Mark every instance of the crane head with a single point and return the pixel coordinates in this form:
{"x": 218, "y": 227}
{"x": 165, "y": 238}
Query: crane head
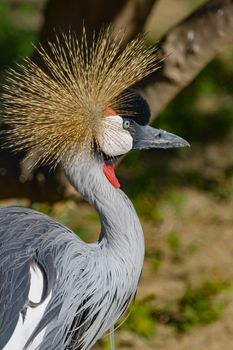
{"x": 132, "y": 132}
{"x": 82, "y": 104}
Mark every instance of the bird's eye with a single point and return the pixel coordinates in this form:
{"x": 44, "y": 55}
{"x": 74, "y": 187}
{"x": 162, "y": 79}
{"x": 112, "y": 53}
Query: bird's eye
{"x": 126, "y": 124}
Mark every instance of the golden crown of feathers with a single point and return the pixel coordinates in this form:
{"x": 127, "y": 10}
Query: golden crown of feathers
{"x": 62, "y": 109}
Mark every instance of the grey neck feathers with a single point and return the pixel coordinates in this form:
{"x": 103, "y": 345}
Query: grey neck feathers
{"x": 120, "y": 227}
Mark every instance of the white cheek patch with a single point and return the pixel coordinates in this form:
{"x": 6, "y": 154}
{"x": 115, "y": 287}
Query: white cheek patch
{"x": 115, "y": 140}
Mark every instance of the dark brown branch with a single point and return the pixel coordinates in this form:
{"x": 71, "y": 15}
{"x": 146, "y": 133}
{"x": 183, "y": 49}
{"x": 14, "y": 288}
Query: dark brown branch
{"x": 42, "y": 185}
{"x": 133, "y": 17}
{"x": 189, "y": 47}
{"x": 60, "y": 15}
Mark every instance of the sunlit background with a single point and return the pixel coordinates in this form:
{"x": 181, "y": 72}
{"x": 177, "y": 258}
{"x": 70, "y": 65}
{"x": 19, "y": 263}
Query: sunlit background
{"x": 184, "y": 198}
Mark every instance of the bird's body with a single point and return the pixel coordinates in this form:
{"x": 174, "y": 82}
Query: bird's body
{"x": 106, "y": 272}
{"x": 56, "y": 291}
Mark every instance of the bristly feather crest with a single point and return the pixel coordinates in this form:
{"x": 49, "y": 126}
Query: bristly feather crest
{"x": 59, "y": 114}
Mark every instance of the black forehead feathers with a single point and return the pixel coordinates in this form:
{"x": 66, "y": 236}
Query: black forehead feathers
{"x": 138, "y": 108}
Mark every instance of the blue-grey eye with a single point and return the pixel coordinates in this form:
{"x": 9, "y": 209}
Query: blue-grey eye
{"x": 126, "y": 124}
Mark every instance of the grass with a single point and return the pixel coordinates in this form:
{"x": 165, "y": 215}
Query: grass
{"x": 174, "y": 242}
{"x": 141, "y": 319}
{"x": 147, "y": 208}
{"x": 156, "y": 257}
{"x": 198, "y": 306}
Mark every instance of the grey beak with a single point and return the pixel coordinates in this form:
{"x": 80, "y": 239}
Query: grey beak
{"x": 147, "y": 137}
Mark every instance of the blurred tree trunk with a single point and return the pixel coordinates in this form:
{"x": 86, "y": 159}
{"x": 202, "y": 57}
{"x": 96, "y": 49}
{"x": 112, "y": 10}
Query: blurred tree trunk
{"x": 188, "y": 47}
{"x": 61, "y": 16}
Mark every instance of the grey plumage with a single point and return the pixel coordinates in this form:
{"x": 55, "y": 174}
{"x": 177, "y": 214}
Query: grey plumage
{"x": 91, "y": 284}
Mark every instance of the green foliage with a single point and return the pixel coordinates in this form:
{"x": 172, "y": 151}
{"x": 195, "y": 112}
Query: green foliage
{"x": 177, "y": 198}
{"x": 105, "y": 342}
{"x": 192, "y": 248}
{"x": 141, "y": 319}
{"x": 197, "y": 306}
{"x": 147, "y": 208}
{"x": 15, "y": 43}
{"x": 156, "y": 257}
{"x": 44, "y": 208}
{"x": 174, "y": 243}
{"x": 179, "y": 251}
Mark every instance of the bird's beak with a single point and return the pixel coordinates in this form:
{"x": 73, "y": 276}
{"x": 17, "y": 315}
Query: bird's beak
{"x": 145, "y": 137}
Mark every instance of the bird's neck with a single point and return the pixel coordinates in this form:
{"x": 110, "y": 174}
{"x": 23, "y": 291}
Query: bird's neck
{"x": 120, "y": 226}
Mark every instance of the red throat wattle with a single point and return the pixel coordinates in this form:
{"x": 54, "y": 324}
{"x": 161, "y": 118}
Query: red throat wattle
{"x": 109, "y": 172}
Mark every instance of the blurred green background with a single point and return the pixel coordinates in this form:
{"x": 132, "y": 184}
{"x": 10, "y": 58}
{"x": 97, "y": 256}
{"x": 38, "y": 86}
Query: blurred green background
{"x": 184, "y": 198}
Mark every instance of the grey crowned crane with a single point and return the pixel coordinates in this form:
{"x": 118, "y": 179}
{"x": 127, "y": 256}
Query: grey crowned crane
{"x": 56, "y": 291}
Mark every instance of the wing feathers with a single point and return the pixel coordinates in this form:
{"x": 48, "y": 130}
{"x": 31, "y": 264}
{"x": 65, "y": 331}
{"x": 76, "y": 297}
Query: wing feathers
{"x": 32, "y": 312}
